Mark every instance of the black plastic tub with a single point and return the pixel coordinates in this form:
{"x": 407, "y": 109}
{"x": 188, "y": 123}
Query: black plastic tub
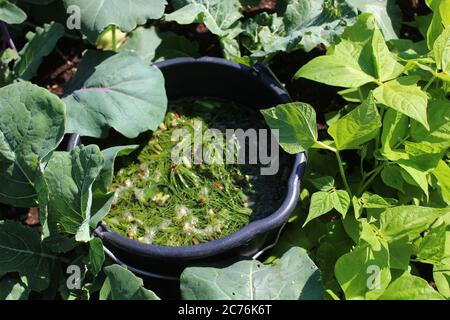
{"x": 253, "y": 87}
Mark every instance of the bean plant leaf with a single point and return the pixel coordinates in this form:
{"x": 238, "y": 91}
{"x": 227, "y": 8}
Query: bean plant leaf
{"x": 400, "y": 252}
{"x": 10, "y": 13}
{"x": 441, "y": 49}
{"x": 321, "y": 203}
{"x": 127, "y": 15}
{"x": 386, "y": 66}
{"x": 123, "y": 93}
{"x": 439, "y": 121}
{"x": 409, "y": 287}
{"x": 357, "y": 127}
{"x": 432, "y": 247}
{"x": 32, "y": 125}
{"x": 442, "y": 175}
{"x": 392, "y": 177}
{"x": 410, "y": 221}
{"x": 124, "y": 285}
{"x": 69, "y": 177}
{"x": 296, "y": 125}
{"x": 334, "y": 71}
{"x": 325, "y": 183}
{"x": 341, "y": 201}
{"x": 364, "y": 273}
{"x": 359, "y": 58}
{"x": 395, "y": 129}
{"x": 441, "y": 271}
{"x": 13, "y": 289}
{"x": 293, "y": 277}
{"x": 40, "y": 44}
{"x": 21, "y": 251}
{"x": 405, "y": 97}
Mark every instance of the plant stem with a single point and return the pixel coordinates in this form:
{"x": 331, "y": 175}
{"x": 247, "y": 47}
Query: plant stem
{"x": 7, "y": 37}
{"x": 377, "y": 138}
{"x": 114, "y": 38}
{"x": 340, "y": 163}
{"x": 342, "y": 172}
{"x": 369, "y": 181}
{"x": 429, "y": 83}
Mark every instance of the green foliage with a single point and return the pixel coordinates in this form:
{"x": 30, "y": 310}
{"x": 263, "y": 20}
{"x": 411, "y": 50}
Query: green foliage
{"x": 374, "y": 210}
{"x": 106, "y": 89}
{"x": 95, "y": 17}
{"x": 293, "y": 277}
{"x": 399, "y": 136}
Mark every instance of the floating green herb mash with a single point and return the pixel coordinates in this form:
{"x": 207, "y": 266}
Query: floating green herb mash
{"x": 160, "y": 202}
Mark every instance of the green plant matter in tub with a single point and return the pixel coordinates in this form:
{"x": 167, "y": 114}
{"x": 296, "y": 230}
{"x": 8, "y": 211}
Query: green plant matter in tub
{"x": 164, "y": 203}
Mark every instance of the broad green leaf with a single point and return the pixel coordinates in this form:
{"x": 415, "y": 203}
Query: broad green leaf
{"x": 364, "y": 273}
{"x": 96, "y": 256}
{"x": 321, "y": 203}
{"x": 59, "y": 243}
{"x": 369, "y": 235}
{"x": 409, "y": 287}
{"x": 392, "y": 177}
{"x": 357, "y": 127}
{"x": 124, "y": 285}
{"x": 105, "y": 177}
{"x": 405, "y": 97}
{"x": 432, "y": 246}
{"x": 220, "y": 17}
{"x": 400, "y": 252}
{"x": 386, "y": 12}
{"x": 441, "y": 271}
{"x": 421, "y": 156}
{"x": 296, "y": 125}
{"x": 441, "y": 50}
{"x": 152, "y": 45}
{"x": 10, "y": 13}
{"x": 341, "y": 201}
{"x": 408, "y": 221}
{"x": 415, "y": 177}
{"x": 395, "y": 130}
{"x": 298, "y": 24}
{"x": 386, "y": 67}
{"x": 69, "y": 178}
{"x": 325, "y": 183}
{"x": 334, "y": 71}
{"x": 31, "y": 126}
{"x": 362, "y": 31}
{"x": 312, "y": 22}
{"x": 40, "y": 44}
{"x": 21, "y": 251}
{"x": 444, "y": 11}
{"x": 293, "y": 277}
{"x": 13, "y": 289}
{"x": 122, "y": 93}
{"x": 439, "y": 120}
{"x": 442, "y": 174}
{"x": 436, "y": 26}
{"x": 261, "y": 33}
{"x": 373, "y": 201}
{"x": 441, "y": 276}
{"x": 127, "y": 15}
